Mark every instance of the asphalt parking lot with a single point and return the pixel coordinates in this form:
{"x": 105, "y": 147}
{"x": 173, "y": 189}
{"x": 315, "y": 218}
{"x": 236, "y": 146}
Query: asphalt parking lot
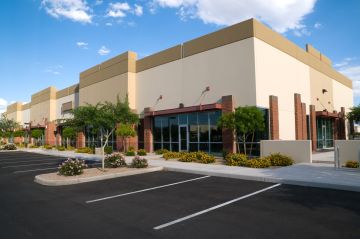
{"x": 166, "y": 205}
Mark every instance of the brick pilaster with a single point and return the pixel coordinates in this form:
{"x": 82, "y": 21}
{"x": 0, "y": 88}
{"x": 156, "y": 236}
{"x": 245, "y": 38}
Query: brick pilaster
{"x": 58, "y": 139}
{"x": 313, "y": 134}
{"x": 148, "y": 134}
{"x": 131, "y": 142}
{"x": 342, "y": 126}
{"x": 49, "y": 133}
{"x": 80, "y": 140}
{"x": 274, "y": 117}
{"x": 298, "y": 117}
{"x": 304, "y": 122}
{"x": 228, "y": 137}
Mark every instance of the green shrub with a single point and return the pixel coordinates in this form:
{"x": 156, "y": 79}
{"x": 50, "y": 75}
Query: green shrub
{"x": 60, "y": 148}
{"x": 258, "y": 163}
{"x": 138, "y": 162}
{"x": 72, "y": 167}
{"x": 236, "y": 160}
{"x": 48, "y": 146}
{"x": 85, "y": 150}
{"x": 161, "y": 151}
{"x": 352, "y": 164}
{"x": 278, "y": 159}
{"x": 108, "y": 150}
{"x": 130, "y": 153}
{"x": 34, "y": 146}
{"x": 115, "y": 160}
{"x": 188, "y": 157}
{"x": 141, "y": 152}
{"x": 202, "y": 157}
{"x": 172, "y": 155}
{"x": 70, "y": 148}
{"x": 9, "y": 147}
{"x": 131, "y": 148}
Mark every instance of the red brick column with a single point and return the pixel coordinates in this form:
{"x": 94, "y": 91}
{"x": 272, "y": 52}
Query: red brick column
{"x": 274, "y": 117}
{"x": 131, "y": 142}
{"x": 313, "y": 134}
{"x": 58, "y": 139}
{"x": 304, "y": 122}
{"x": 49, "y": 133}
{"x": 18, "y": 140}
{"x": 148, "y": 134}
{"x": 298, "y": 117}
{"x": 228, "y": 137}
{"x": 80, "y": 140}
{"x": 342, "y": 126}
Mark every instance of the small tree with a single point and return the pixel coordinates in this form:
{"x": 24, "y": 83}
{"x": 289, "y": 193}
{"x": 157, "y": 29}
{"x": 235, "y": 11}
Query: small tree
{"x": 353, "y": 116}
{"x": 8, "y": 126}
{"x": 102, "y": 118}
{"x": 37, "y": 134}
{"x": 125, "y": 131}
{"x": 69, "y": 134}
{"x": 245, "y": 121}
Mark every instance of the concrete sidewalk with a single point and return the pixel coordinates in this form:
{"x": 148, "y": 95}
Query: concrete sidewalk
{"x": 305, "y": 174}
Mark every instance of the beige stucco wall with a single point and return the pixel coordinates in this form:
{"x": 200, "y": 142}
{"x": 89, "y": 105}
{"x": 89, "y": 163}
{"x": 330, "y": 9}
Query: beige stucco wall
{"x": 25, "y": 116}
{"x": 16, "y": 116}
{"x": 108, "y": 90}
{"x": 299, "y": 150}
{"x": 343, "y": 96}
{"x": 348, "y": 150}
{"x": 63, "y": 100}
{"x": 227, "y": 70}
{"x": 43, "y": 110}
{"x": 279, "y": 74}
{"x": 318, "y": 82}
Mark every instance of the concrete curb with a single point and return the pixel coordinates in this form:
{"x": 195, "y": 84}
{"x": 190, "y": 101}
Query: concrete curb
{"x": 343, "y": 187}
{"x": 40, "y": 180}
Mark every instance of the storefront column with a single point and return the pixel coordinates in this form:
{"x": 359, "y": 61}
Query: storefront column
{"x": 342, "y": 124}
{"x": 228, "y": 137}
{"x": 148, "y": 134}
{"x": 80, "y": 140}
{"x": 274, "y": 117}
{"x": 313, "y": 134}
{"x": 304, "y": 121}
{"x": 49, "y": 133}
{"x": 298, "y": 117}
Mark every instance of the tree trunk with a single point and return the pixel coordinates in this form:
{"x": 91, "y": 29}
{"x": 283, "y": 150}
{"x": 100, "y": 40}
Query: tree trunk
{"x": 252, "y": 140}
{"x": 244, "y": 143}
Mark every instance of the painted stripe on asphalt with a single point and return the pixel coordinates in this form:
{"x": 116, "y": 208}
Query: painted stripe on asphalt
{"x": 29, "y": 165}
{"x": 42, "y": 169}
{"x": 213, "y": 208}
{"x": 147, "y": 189}
{"x": 28, "y": 161}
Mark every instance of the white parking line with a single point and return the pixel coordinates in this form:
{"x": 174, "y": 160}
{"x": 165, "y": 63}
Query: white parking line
{"x": 28, "y": 161}
{"x": 148, "y": 189}
{"x": 29, "y": 165}
{"x": 42, "y": 169}
{"x": 213, "y": 208}
{"x": 33, "y": 170}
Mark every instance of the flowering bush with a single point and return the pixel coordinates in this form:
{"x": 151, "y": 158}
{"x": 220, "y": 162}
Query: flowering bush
{"x": 352, "y": 164}
{"x": 130, "y": 153}
{"x": 72, "y": 167}
{"x": 161, "y": 151}
{"x": 278, "y": 159}
{"x": 115, "y": 160}
{"x": 138, "y": 162}
{"x": 172, "y": 155}
{"x": 141, "y": 152}
{"x": 9, "y": 147}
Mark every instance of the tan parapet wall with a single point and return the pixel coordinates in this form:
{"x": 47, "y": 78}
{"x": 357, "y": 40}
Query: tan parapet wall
{"x": 118, "y": 65}
{"x": 25, "y": 106}
{"x": 160, "y": 58}
{"x": 325, "y": 59}
{"x": 312, "y": 51}
{"x": 44, "y": 95}
{"x": 14, "y": 107}
{"x": 67, "y": 91}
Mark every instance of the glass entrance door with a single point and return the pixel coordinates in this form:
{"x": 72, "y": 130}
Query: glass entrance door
{"x": 325, "y": 131}
{"x": 183, "y": 138}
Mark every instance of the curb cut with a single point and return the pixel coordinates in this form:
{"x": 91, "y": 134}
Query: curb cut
{"x": 46, "y": 182}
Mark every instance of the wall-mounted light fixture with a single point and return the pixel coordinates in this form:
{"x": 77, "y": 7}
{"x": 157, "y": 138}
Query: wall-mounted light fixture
{"x": 324, "y": 91}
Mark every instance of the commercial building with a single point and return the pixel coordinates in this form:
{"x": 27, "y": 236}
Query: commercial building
{"x": 181, "y": 92}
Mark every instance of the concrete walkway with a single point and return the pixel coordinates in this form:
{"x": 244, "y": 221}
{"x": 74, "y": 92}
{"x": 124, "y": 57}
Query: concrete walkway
{"x": 305, "y": 174}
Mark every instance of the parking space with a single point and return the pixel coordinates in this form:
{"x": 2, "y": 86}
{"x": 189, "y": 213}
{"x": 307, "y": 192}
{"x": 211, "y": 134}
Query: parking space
{"x": 168, "y": 205}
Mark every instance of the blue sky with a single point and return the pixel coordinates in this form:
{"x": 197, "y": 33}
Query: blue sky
{"x": 49, "y": 42}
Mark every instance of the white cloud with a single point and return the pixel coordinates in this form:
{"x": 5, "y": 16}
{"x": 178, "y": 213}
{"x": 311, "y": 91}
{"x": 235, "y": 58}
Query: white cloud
{"x": 99, "y": 2}
{"x": 318, "y": 25}
{"x": 121, "y": 9}
{"x": 55, "y": 70}
{"x": 109, "y": 24}
{"x": 346, "y": 61}
{"x": 103, "y": 51}
{"x": 75, "y": 10}
{"x": 281, "y": 15}
{"x": 82, "y": 45}
{"x": 3, "y": 105}
{"x": 353, "y": 72}
{"x": 138, "y": 10}
{"x": 118, "y": 9}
